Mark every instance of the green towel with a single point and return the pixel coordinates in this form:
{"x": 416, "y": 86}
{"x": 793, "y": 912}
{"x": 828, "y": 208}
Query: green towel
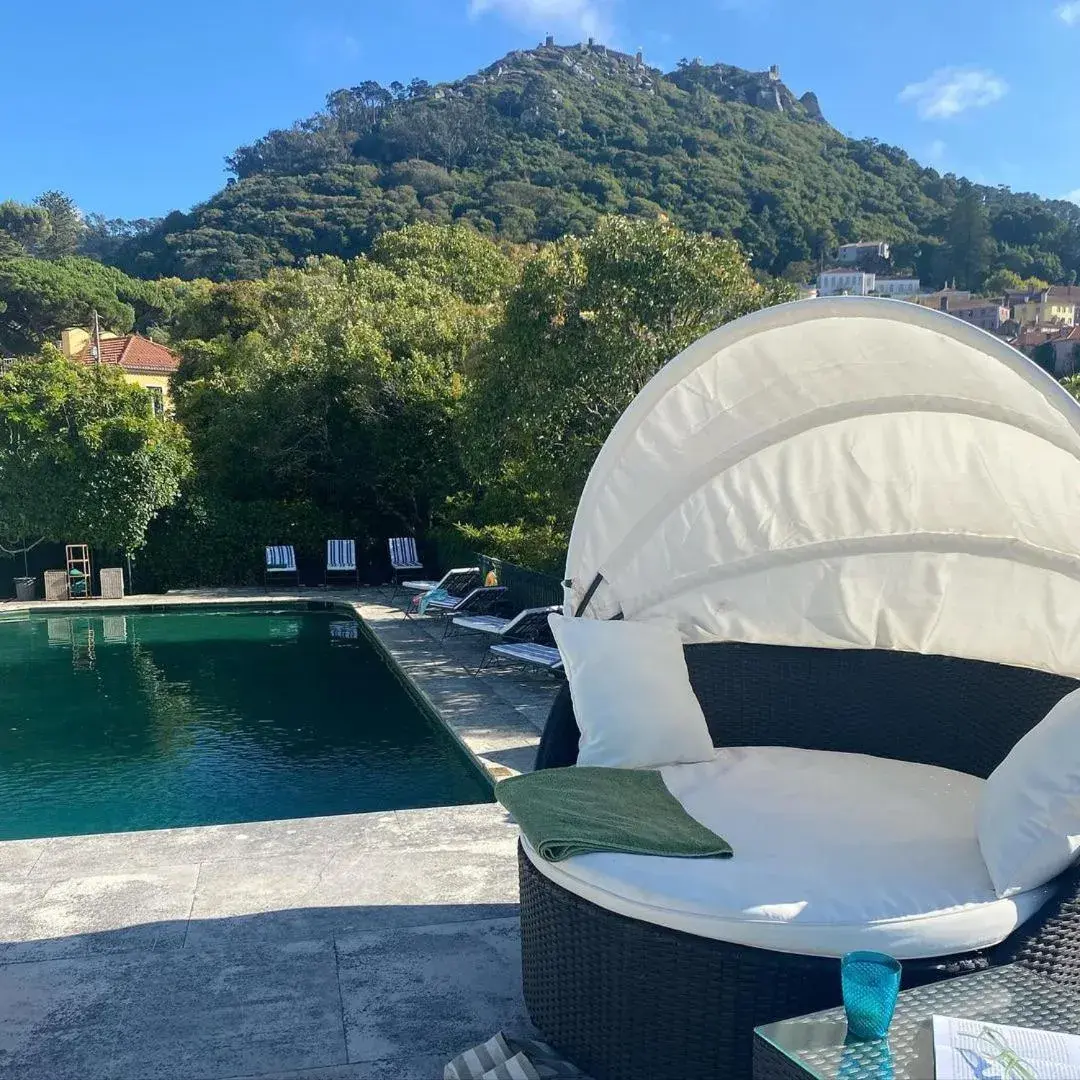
{"x": 567, "y": 812}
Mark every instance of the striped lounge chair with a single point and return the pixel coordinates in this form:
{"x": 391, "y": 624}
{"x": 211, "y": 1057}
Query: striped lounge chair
{"x": 403, "y": 558}
{"x": 528, "y": 653}
{"x": 481, "y": 601}
{"x": 458, "y": 582}
{"x": 341, "y": 560}
{"x": 280, "y": 561}
{"x": 528, "y": 625}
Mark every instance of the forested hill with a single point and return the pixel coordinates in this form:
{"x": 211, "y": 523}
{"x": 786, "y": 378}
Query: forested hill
{"x": 544, "y": 141}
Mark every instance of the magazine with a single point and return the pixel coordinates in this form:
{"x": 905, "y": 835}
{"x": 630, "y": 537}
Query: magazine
{"x": 974, "y": 1050}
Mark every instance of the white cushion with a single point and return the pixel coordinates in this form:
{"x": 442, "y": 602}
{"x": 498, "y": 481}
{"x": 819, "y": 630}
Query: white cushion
{"x": 632, "y": 696}
{"x": 1029, "y": 817}
{"x": 833, "y": 852}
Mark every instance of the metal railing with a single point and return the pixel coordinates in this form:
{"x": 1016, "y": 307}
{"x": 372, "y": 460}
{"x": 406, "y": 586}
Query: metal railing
{"x": 525, "y": 588}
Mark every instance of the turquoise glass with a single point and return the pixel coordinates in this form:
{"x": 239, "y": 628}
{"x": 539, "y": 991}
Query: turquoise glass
{"x": 870, "y": 982}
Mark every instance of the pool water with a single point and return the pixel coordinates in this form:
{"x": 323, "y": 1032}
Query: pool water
{"x": 150, "y": 721}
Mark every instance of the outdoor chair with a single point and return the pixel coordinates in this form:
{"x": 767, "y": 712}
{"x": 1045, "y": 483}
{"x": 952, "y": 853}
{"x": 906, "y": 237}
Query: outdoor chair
{"x": 341, "y": 561}
{"x": 280, "y": 563}
{"x": 480, "y": 601}
{"x": 527, "y": 625}
{"x": 404, "y": 558}
{"x": 861, "y": 518}
{"x": 458, "y": 582}
{"x": 527, "y": 653}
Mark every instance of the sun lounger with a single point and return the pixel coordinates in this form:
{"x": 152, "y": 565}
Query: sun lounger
{"x": 525, "y": 652}
{"x": 341, "y": 559}
{"x": 280, "y": 560}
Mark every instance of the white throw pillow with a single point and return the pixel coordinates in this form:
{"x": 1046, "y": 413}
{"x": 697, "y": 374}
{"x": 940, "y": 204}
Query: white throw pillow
{"x": 1029, "y": 813}
{"x": 632, "y": 697}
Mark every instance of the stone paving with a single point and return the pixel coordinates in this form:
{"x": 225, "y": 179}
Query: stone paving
{"x": 371, "y": 946}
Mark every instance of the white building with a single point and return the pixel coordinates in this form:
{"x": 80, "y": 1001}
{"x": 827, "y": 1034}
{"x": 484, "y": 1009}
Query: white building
{"x": 850, "y": 254}
{"x": 842, "y": 282}
{"x": 900, "y": 288}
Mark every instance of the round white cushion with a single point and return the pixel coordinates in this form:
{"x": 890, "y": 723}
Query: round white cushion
{"x": 833, "y": 852}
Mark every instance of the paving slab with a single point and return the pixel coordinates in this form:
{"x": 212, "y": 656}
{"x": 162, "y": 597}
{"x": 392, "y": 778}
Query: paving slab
{"x": 185, "y": 1015}
{"x": 440, "y": 989}
{"x": 19, "y": 857}
{"x": 71, "y": 855}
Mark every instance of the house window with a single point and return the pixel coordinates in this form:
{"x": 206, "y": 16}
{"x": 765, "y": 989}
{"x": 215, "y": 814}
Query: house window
{"x": 157, "y": 399}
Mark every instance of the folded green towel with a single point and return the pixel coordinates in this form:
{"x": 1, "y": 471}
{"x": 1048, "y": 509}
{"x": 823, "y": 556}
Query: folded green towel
{"x": 566, "y": 812}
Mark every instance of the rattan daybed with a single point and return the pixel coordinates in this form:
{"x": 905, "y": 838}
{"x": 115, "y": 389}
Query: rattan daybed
{"x": 913, "y": 599}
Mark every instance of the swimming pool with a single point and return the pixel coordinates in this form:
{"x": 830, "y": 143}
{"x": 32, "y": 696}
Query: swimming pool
{"x": 149, "y": 721}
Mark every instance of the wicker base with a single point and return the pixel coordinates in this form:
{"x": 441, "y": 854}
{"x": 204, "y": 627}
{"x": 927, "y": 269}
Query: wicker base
{"x": 624, "y": 999}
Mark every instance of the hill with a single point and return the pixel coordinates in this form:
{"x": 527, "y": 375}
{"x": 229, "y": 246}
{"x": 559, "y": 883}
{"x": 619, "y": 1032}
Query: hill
{"x": 544, "y": 141}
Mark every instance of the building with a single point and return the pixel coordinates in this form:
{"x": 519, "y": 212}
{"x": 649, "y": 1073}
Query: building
{"x": 943, "y": 299}
{"x": 1045, "y": 309}
{"x": 851, "y": 254}
{"x": 989, "y": 315}
{"x": 899, "y": 288}
{"x": 1066, "y": 351}
{"x": 844, "y": 282}
{"x": 142, "y": 361}
{"x": 1070, "y": 294}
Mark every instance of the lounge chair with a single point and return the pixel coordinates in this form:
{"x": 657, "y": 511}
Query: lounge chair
{"x": 403, "y": 557}
{"x": 341, "y": 559}
{"x": 480, "y": 601}
{"x": 525, "y": 652}
{"x": 854, "y": 512}
{"x": 280, "y": 560}
{"x": 527, "y": 625}
{"x": 457, "y": 582}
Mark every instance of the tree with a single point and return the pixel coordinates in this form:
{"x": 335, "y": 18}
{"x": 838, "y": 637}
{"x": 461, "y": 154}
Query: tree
{"x": 591, "y": 322}
{"x": 82, "y": 455}
{"x": 39, "y": 298}
{"x": 1045, "y": 356}
{"x": 969, "y": 239}
{"x": 456, "y": 257}
{"x": 66, "y": 225}
{"x": 23, "y": 229}
{"x": 344, "y": 392}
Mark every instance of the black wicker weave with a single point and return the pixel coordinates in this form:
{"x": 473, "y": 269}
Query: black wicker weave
{"x": 624, "y": 999}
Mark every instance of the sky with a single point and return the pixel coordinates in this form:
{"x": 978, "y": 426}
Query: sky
{"x": 132, "y": 108}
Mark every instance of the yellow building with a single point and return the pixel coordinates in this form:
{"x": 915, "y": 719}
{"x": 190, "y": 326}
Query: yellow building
{"x": 142, "y": 361}
{"x": 1045, "y": 309}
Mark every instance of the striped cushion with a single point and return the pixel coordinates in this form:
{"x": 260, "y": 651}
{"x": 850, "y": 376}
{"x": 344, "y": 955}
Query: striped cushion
{"x": 527, "y": 653}
{"x": 281, "y": 558}
{"x": 403, "y": 554}
{"x": 340, "y": 554}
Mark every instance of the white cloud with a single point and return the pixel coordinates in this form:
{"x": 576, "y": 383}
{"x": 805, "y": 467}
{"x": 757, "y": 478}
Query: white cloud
{"x": 951, "y": 91}
{"x": 1074, "y": 196}
{"x": 587, "y": 17}
{"x": 935, "y": 152}
{"x": 1069, "y": 13}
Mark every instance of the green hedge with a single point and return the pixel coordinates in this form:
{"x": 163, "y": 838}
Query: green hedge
{"x": 207, "y": 542}
{"x": 537, "y": 547}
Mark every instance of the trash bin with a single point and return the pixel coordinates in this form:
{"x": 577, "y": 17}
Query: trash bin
{"x": 25, "y": 588}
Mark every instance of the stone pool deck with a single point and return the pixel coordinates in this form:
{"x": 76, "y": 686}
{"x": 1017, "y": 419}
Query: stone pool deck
{"x": 359, "y": 947}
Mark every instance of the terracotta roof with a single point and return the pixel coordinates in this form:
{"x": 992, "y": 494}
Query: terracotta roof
{"x": 133, "y": 353}
{"x": 1068, "y": 293}
{"x": 1037, "y": 336}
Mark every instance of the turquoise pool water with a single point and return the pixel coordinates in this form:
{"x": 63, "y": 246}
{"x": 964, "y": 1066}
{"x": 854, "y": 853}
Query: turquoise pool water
{"x": 150, "y": 721}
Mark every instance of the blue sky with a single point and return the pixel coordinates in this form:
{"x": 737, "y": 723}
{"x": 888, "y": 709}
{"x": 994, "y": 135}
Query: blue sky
{"x": 132, "y": 109}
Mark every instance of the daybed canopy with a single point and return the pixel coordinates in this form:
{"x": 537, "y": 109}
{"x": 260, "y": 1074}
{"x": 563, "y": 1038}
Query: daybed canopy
{"x": 843, "y": 473}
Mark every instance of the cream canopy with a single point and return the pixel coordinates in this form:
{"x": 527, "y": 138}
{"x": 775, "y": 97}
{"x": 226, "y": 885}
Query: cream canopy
{"x": 843, "y": 473}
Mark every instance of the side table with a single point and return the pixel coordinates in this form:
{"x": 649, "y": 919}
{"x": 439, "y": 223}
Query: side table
{"x": 814, "y": 1046}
